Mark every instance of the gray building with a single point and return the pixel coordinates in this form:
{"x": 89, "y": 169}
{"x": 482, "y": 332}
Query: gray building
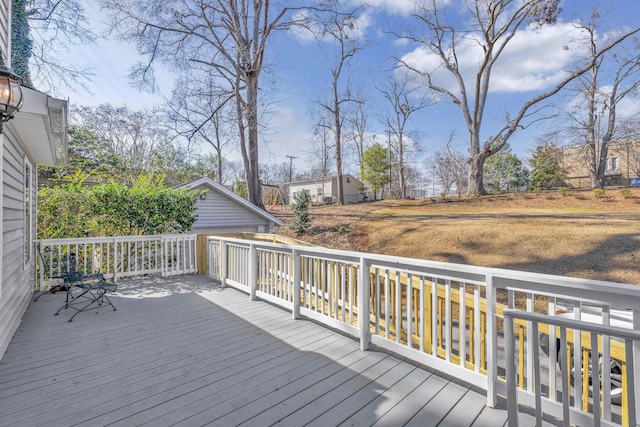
{"x": 220, "y": 210}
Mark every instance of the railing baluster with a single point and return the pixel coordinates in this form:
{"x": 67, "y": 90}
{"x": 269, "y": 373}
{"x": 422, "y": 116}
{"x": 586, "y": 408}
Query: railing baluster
{"x": 530, "y": 349}
{"x": 409, "y": 310}
{"x": 462, "y": 326}
{"x": 343, "y": 278}
{"x": 447, "y": 320}
{"x": 387, "y": 304}
{"x": 423, "y": 316}
{"x": 434, "y": 317}
{"x": 553, "y": 353}
{"x": 577, "y": 356}
{"x": 397, "y": 307}
{"x": 477, "y": 338}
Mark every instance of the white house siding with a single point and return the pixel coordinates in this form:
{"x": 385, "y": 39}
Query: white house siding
{"x": 17, "y": 279}
{"x": 329, "y": 189}
{"x": 352, "y": 189}
{"x": 5, "y": 30}
{"x": 219, "y": 214}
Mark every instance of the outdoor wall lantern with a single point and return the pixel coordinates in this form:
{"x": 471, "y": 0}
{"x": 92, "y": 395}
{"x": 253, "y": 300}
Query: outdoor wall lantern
{"x": 10, "y": 93}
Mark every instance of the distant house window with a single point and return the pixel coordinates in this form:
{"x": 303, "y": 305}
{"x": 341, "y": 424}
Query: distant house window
{"x": 295, "y": 194}
{"x": 348, "y": 179}
{"x": 612, "y": 163}
{"x": 28, "y": 212}
{"x": 319, "y": 192}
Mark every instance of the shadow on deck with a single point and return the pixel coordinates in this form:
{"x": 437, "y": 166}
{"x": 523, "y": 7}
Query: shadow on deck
{"x": 183, "y": 351}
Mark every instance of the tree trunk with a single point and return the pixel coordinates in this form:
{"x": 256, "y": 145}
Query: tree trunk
{"x": 476, "y": 175}
{"x": 336, "y": 116}
{"x": 403, "y": 188}
{"x": 253, "y": 176}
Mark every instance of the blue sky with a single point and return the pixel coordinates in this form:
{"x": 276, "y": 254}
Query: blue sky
{"x": 298, "y": 76}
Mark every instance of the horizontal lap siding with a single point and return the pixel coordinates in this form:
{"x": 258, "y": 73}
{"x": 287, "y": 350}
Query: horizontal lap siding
{"x": 17, "y": 281}
{"x": 218, "y": 211}
{"x": 4, "y": 27}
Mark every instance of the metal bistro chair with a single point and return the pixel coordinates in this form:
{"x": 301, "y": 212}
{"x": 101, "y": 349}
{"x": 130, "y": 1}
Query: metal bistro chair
{"x": 86, "y": 290}
{"x": 56, "y": 267}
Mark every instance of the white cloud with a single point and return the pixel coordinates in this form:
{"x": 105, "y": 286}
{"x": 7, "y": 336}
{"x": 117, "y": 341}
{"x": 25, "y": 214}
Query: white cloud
{"x": 311, "y": 30}
{"x": 533, "y": 60}
{"x": 400, "y": 7}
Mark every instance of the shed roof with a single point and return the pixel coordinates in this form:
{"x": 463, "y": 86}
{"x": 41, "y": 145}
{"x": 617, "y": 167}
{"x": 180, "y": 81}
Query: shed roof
{"x": 206, "y": 181}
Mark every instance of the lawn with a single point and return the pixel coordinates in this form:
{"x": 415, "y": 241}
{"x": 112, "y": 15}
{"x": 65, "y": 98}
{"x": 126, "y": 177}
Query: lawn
{"x": 575, "y": 234}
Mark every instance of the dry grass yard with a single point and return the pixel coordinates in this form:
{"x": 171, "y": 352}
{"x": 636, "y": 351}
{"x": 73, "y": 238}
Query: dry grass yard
{"x": 572, "y": 234}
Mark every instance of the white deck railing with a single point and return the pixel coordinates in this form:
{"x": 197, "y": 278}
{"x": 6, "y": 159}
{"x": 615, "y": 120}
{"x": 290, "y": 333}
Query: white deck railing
{"x": 447, "y": 316}
{"x": 571, "y": 411}
{"x": 117, "y": 257}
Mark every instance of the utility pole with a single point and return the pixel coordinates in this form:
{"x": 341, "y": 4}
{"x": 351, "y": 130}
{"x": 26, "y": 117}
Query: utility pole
{"x": 389, "y": 149}
{"x": 290, "y": 165}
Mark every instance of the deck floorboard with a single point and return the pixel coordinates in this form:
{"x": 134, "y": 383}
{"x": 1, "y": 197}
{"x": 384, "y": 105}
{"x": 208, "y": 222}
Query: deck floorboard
{"x": 181, "y": 351}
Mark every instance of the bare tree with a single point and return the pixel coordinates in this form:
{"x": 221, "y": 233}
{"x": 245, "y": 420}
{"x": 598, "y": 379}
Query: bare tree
{"x": 201, "y": 112}
{"x": 331, "y": 25}
{"x": 357, "y": 118}
{"x": 228, "y": 37}
{"x": 40, "y": 30}
{"x": 134, "y": 139}
{"x": 449, "y": 170}
{"x": 404, "y": 103}
{"x": 601, "y": 123}
{"x": 492, "y": 25}
{"x": 321, "y": 148}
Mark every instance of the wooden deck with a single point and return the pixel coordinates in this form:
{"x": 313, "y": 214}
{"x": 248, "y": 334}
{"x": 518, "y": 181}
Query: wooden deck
{"x": 181, "y": 351}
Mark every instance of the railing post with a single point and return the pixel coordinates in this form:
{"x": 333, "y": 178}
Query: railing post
{"x": 223, "y": 263}
{"x": 492, "y": 345}
{"x": 363, "y": 303}
{"x": 512, "y": 393}
{"x": 40, "y": 262}
{"x": 636, "y": 357}
{"x": 253, "y": 271}
{"x": 295, "y": 258}
{"x": 115, "y": 259}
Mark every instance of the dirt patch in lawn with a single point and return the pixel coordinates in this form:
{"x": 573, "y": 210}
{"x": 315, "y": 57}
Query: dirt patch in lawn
{"x": 574, "y": 234}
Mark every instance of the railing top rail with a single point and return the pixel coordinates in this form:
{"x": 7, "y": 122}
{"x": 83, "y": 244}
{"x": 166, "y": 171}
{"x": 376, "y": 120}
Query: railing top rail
{"x": 54, "y": 242}
{"x": 456, "y": 271}
{"x": 618, "y": 295}
{"x": 581, "y": 325}
{"x": 107, "y": 239}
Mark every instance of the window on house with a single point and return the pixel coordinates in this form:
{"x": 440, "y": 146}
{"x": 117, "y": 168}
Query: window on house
{"x": 612, "y": 163}
{"x": 319, "y": 192}
{"x": 348, "y": 179}
{"x": 28, "y": 212}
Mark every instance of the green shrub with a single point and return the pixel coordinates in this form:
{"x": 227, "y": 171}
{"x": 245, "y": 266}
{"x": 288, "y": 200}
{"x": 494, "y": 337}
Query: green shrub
{"x": 625, "y": 193}
{"x": 599, "y": 193}
{"x": 563, "y": 190}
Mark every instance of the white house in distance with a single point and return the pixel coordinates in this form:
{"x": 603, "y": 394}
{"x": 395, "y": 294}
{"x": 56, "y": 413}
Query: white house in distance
{"x": 37, "y": 135}
{"x": 325, "y": 190}
{"x": 220, "y": 210}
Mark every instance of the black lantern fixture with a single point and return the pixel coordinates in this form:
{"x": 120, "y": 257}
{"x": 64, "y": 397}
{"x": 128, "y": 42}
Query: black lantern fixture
{"x": 10, "y": 92}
